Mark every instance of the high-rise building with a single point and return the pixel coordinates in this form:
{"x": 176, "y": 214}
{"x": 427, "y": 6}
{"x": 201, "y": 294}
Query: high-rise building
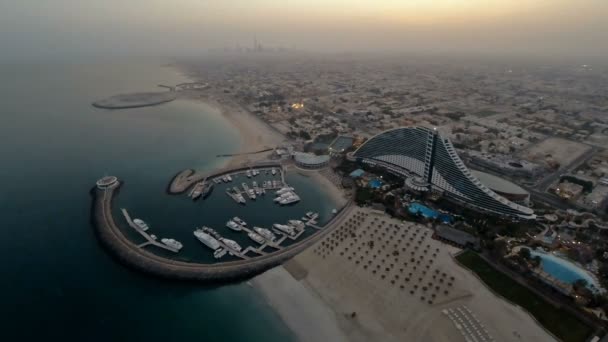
{"x": 429, "y": 162}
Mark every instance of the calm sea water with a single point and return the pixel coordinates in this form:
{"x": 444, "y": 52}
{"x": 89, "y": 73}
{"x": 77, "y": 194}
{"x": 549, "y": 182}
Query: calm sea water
{"x": 56, "y": 280}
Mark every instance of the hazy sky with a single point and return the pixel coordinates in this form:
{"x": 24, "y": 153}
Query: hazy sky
{"x": 56, "y": 28}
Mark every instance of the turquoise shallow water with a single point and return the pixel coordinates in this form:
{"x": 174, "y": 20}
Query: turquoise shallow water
{"x": 57, "y": 281}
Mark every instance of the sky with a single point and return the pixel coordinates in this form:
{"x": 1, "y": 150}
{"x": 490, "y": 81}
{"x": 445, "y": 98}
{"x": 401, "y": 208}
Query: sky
{"x": 31, "y": 29}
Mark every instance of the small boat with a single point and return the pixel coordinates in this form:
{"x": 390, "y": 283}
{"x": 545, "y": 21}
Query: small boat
{"x": 172, "y": 243}
{"x": 257, "y": 238}
{"x": 239, "y": 221}
{"x": 141, "y": 224}
{"x": 229, "y": 178}
{"x": 248, "y": 173}
{"x": 234, "y": 226}
{"x": 274, "y": 171}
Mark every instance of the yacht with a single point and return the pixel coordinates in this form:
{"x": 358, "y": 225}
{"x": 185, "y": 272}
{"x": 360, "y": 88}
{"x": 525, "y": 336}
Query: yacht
{"x": 241, "y": 199}
{"x": 285, "y": 229}
{"x": 284, "y": 190}
{"x": 255, "y": 184}
{"x": 234, "y": 226}
{"x": 220, "y": 252}
{"x": 289, "y": 200}
{"x": 207, "y": 188}
{"x": 232, "y": 244}
{"x": 172, "y": 243}
{"x": 274, "y": 171}
{"x": 153, "y": 237}
{"x": 265, "y": 233}
{"x": 238, "y": 221}
{"x": 257, "y": 192}
{"x": 299, "y": 225}
{"x": 207, "y": 239}
{"x": 264, "y": 184}
{"x": 197, "y": 191}
{"x": 248, "y": 173}
{"x": 251, "y": 194}
{"x": 245, "y": 186}
{"x": 229, "y": 178}
{"x": 225, "y": 179}
{"x": 257, "y": 238}
{"x": 141, "y": 224}
{"x": 216, "y": 181}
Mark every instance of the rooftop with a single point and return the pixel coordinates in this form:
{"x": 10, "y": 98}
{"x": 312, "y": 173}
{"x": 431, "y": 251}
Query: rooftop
{"x": 498, "y": 184}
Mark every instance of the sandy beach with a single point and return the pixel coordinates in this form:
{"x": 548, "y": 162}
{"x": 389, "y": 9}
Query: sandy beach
{"x": 255, "y": 134}
{"x": 336, "y": 291}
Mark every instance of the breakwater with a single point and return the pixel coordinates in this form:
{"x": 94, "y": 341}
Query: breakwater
{"x": 126, "y": 251}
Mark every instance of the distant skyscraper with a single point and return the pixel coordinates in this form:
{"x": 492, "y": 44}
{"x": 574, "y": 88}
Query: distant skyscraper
{"x": 423, "y": 154}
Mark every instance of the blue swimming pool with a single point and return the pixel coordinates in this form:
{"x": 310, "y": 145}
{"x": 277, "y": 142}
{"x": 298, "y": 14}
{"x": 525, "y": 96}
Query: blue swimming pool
{"x": 375, "y": 183}
{"x": 417, "y": 208}
{"x": 563, "y": 269}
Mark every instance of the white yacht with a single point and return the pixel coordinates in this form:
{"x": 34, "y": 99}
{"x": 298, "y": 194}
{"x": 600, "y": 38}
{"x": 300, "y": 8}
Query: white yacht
{"x": 255, "y": 184}
{"x": 265, "y": 233}
{"x": 220, "y": 252}
{"x": 285, "y": 229}
{"x": 232, "y": 244}
{"x": 234, "y": 226}
{"x": 248, "y": 173}
{"x": 229, "y": 178}
{"x": 297, "y": 224}
{"x": 172, "y": 243}
{"x": 257, "y": 238}
{"x": 207, "y": 239}
{"x": 284, "y": 190}
{"x": 141, "y": 224}
{"x": 289, "y": 200}
{"x": 251, "y": 194}
{"x": 274, "y": 171}
{"x": 239, "y": 221}
{"x": 264, "y": 184}
{"x": 225, "y": 179}
{"x": 241, "y": 199}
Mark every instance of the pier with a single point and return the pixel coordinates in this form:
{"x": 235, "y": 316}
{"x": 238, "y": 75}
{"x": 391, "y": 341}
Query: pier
{"x": 146, "y": 236}
{"x": 121, "y": 247}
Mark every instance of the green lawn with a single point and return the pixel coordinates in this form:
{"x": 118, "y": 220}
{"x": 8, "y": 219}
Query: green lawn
{"x": 560, "y": 322}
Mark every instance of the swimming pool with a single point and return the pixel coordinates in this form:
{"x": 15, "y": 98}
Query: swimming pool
{"x": 427, "y": 212}
{"x": 375, "y": 183}
{"x": 563, "y": 269}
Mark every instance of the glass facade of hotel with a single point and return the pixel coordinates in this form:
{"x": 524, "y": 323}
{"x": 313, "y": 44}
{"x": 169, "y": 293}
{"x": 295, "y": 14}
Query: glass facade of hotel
{"x": 423, "y": 152}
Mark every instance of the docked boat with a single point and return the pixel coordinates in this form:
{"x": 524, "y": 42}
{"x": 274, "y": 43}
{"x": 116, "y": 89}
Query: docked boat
{"x": 299, "y": 225}
{"x": 245, "y": 186}
{"x": 207, "y": 189}
{"x": 284, "y": 190}
{"x": 241, "y": 199}
{"x": 285, "y": 229}
{"x": 265, "y": 233}
{"x": 220, "y": 252}
{"x": 289, "y": 200}
{"x": 248, "y": 173}
{"x": 207, "y": 239}
{"x": 251, "y": 194}
{"x": 229, "y": 178}
{"x": 273, "y": 171}
{"x": 255, "y": 184}
{"x": 232, "y": 244}
{"x": 264, "y": 184}
{"x": 141, "y": 224}
{"x": 238, "y": 221}
{"x": 257, "y": 238}
{"x": 172, "y": 243}
{"x": 234, "y": 226}
{"x": 216, "y": 181}
{"x": 197, "y": 190}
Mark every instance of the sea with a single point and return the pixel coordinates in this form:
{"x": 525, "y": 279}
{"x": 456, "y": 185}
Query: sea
{"x": 58, "y": 283}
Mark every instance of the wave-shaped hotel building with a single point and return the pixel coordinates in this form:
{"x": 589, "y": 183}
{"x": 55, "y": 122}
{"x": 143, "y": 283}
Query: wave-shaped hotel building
{"x": 429, "y": 161}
